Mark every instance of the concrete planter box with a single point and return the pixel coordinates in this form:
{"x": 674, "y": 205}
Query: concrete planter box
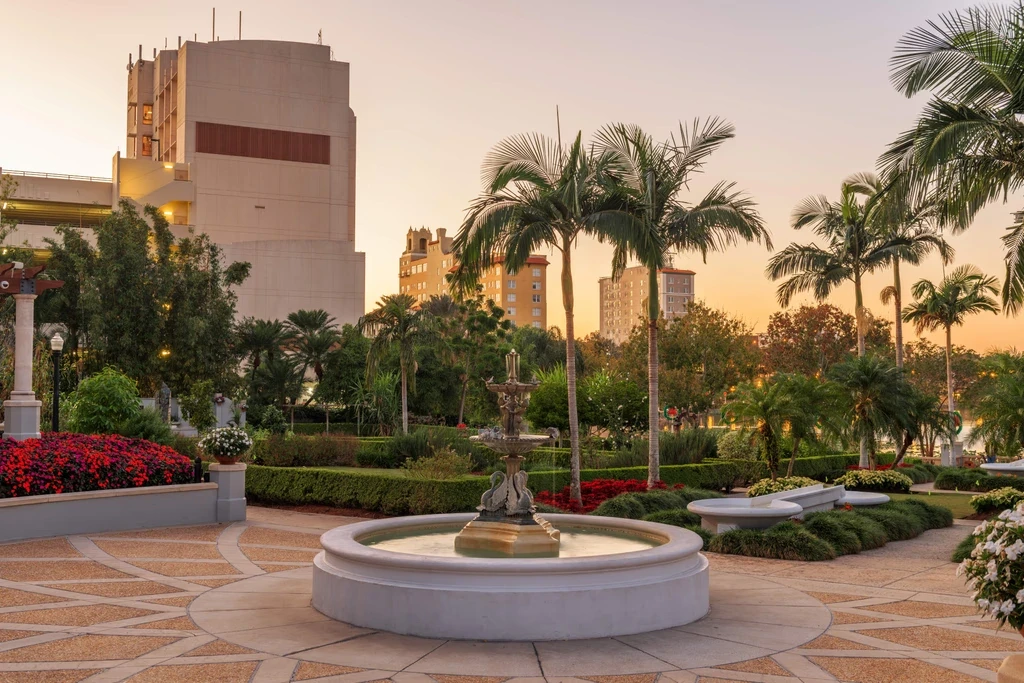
{"x": 1006, "y": 469}
{"x": 147, "y": 507}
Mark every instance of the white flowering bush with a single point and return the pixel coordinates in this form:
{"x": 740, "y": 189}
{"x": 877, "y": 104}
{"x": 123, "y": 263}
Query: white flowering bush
{"x": 226, "y": 442}
{"x": 999, "y": 499}
{"x": 766, "y": 486}
{"x": 995, "y": 568}
{"x": 886, "y": 481}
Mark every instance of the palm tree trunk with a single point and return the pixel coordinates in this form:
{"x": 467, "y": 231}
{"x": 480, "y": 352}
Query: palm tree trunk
{"x": 653, "y": 416}
{"x": 405, "y": 403}
{"x": 865, "y": 459}
{"x": 462, "y": 400}
{"x": 570, "y": 373}
{"x": 898, "y": 299}
{"x": 792, "y": 457}
{"x": 949, "y": 369}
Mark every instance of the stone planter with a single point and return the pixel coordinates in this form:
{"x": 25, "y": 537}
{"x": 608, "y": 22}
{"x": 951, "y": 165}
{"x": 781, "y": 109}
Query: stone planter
{"x": 227, "y": 459}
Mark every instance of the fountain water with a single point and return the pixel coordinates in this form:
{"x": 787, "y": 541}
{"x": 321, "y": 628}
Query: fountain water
{"x": 508, "y": 522}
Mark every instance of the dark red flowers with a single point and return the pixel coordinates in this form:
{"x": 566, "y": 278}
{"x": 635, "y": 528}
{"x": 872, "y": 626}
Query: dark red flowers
{"x": 594, "y": 493}
{"x": 64, "y": 463}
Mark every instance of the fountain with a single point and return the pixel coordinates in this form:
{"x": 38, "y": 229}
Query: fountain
{"x": 508, "y": 522}
{"x": 506, "y": 573}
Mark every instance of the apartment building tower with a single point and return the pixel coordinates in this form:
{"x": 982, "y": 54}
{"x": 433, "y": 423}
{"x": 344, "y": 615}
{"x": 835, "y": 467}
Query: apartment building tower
{"x": 623, "y": 302}
{"x": 426, "y": 261}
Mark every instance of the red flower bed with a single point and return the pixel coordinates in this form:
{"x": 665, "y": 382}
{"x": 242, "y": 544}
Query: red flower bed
{"x": 64, "y": 463}
{"x": 594, "y": 493}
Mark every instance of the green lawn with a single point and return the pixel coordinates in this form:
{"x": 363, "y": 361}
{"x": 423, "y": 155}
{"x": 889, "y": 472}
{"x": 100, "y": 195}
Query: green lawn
{"x": 959, "y": 503}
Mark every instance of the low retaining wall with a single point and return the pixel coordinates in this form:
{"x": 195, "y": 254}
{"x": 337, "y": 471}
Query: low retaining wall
{"x": 147, "y": 507}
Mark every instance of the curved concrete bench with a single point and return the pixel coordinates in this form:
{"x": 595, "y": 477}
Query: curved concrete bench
{"x": 816, "y": 498}
{"x": 862, "y": 499}
{"x": 725, "y": 514}
{"x": 1010, "y": 469}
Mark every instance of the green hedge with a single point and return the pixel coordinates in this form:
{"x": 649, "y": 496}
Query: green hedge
{"x": 387, "y": 493}
{"x": 967, "y": 479}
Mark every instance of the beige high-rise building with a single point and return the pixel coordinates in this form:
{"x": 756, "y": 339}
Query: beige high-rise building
{"x": 624, "y": 301}
{"x": 425, "y": 263}
{"x": 250, "y": 141}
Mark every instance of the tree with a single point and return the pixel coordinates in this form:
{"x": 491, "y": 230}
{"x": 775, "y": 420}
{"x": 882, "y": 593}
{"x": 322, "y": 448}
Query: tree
{"x": 73, "y": 260}
{"x": 313, "y": 336}
{"x": 925, "y": 369}
{"x": 815, "y": 406}
{"x": 600, "y": 353}
{"x": 278, "y": 381}
{"x": 1000, "y": 410}
{"x": 344, "y": 368}
{"x": 967, "y": 145}
{"x": 394, "y": 323}
{"x": 259, "y": 339}
{"x": 768, "y": 404}
{"x": 966, "y": 291}
{"x": 651, "y": 177}
{"x": 538, "y": 194}
{"x": 614, "y": 404}
{"x": 811, "y": 339}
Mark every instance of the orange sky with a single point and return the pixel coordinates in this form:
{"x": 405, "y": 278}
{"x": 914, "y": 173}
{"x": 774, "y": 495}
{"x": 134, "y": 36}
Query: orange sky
{"x": 436, "y": 84}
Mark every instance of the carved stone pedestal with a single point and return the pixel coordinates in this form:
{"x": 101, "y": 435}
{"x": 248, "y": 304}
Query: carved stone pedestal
{"x": 533, "y": 537}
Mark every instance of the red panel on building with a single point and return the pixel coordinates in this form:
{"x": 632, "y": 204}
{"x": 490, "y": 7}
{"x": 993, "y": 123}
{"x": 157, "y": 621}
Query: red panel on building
{"x": 262, "y": 143}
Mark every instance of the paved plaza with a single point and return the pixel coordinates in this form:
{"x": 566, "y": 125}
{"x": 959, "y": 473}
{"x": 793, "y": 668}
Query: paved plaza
{"x": 231, "y": 603}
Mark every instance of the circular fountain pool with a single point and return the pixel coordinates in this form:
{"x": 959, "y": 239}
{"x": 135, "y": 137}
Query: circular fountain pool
{"x": 612, "y": 577}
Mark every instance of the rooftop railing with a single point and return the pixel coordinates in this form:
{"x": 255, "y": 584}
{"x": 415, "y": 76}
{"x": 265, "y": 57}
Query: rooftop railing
{"x": 58, "y": 176}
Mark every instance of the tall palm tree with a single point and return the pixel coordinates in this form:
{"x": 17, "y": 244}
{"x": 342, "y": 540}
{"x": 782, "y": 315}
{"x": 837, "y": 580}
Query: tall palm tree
{"x": 537, "y": 194}
{"x": 257, "y": 339}
{"x": 395, "y": 322}
{"x": 770, "y": 405}
{"x": 966, "y": 291}
{"x": 968, "y": 143}
{"x": 311, "y": 321}
{"x": 650, "y": 177}
{"x": 875, "y": 399}
{"x": 815, "y": 406}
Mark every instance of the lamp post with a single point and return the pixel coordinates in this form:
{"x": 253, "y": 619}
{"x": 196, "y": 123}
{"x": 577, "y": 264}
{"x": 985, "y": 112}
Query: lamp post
{"x": 56, "y": 345}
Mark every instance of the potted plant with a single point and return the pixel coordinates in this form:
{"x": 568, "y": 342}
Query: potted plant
{"x": 226, "y": 444}
{"x": 995, "y": 569}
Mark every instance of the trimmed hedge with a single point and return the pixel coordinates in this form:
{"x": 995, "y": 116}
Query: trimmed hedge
{"x": 786, "y": 541}
{"x": 640, "y": 505}
{"x": 962, "y": 479}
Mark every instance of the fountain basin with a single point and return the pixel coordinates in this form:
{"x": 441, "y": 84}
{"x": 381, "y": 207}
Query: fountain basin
{"x": 661, "y": 585}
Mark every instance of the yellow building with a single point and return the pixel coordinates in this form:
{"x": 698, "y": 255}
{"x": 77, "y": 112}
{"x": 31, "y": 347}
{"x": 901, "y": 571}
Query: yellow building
{"x": 624, "y": 301}
{"x": 425, "y": 263}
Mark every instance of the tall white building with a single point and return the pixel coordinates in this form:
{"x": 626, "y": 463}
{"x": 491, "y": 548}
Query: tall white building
{"x": 624, "y": 301}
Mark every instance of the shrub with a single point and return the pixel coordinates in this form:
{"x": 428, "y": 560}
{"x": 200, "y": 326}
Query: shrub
{"x": 714, "y": 476}
{"x": 226, "y": 442}
{"x": 870, "y": 533}
{"x": 266, "y": 417}
{"x": 965, "y": 548}
{"x": 683, "y": 518}
{"x": 410, "y": 446}
{"x": 766, "y": 486}
{"x": 61, "y": 462}
{"x": 992, "y": 483}
{"x": 885, "y": 481}
{"x": 445, "y": 463}
{"x": 103, "y": 402}
{"x": 304, "y": 451}
{"x": 186, "y": 445}
{"x": 831, "y": 528}
{"x": 998, "y": 499}
{"x": 625, "y": 507}
{"x": 898, "y": 525}
{"x": 594, "y": 494}
{"x": 786, "y": 541}
{"x": 959, "y": 478}
{"x": 932, "y": 516}
{"x": 147, "y": 424}
{"x": 197, "y": 406}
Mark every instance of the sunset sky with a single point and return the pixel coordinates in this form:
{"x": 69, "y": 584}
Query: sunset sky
{"x": 436, "y": 84}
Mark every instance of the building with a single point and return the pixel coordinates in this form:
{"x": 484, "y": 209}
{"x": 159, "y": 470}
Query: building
{"x": 250, "y": 141}
{"x": 425, "y": 263}
{"x": 624, "y": 301}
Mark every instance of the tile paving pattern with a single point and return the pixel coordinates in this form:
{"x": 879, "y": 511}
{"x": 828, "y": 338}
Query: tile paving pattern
{"x": 116, "y": 607}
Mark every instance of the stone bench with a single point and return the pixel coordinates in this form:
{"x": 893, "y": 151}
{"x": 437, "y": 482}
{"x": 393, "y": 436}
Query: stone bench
{"x": 816, "y": 498}
{"x": 725, "y": 514}
{"x": 862, "y": 499}
{"x": 1008, "y": 469}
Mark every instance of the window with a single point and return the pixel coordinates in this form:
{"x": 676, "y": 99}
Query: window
{"x": 536, "y": 313}
{"x": 510, "y": 297}
{"x": 536, "y": 284}
{"x": 511, "y": 284}
{"x": 536, "y": 298}
{"x": 536, "y": 272}
{"x": 536, "y": 324}
{"x": 147, "y": 146}
{"x": 147, "y": 114}
{"x": 511, "y": 310}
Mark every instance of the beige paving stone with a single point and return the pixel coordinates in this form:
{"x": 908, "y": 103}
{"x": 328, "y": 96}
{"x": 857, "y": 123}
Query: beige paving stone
{"x": 257, "y": 554}
{"x": 706, "y": 679}
{"x": 170, "y": 551}
{"x": 634, "y": 678}
{"x": 764, "y": 665}
{"x": 87, "y": 648}
{"x": 827, "y": 571}
{"x": 936, "y": 581}
{"x": 264, "y": 536}
{"x": 923, "y": 610}
{"x": 875, "y": 670}
{"x": 598, "y": 656}
{"x": 273, "y": 568}
{"x": 10, "y": 597}
{"x": 56, "y": 570}
{"x": 55, "y": 676}
{"x": 308, "y": 670}
{"x": 440, "y": 678}
{"x": 218, "y": 601}
{"x": 215, "y": 583}
{"x": 936, "y": 638}
{"x": 181, "y": 533}
{"x": 219, "y": 647}
{"x": 990, "y": 624}
{"x": 116, "y": 589}
{"x": 233, "y": 672}
{"x": 6, "y": 635}
{"x": 49, "y": 547}
{"x": 827, "y": 642}
{"x": 747, "y": 565}
{"x": 182, "y": 601}
{"x": 842, "y": 618}
{"x": 175, "y": 623}
{"x": 84, "y": 615}
{"x": 829, "y": 598}
{"x": 990, "y": 664}
{"x": 186, "y": 568}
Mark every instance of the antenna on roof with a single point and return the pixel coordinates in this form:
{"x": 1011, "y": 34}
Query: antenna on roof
{"x": 239, "y": 24}
{"x": 213, "y": 32}
{"x": 320, "y": 37}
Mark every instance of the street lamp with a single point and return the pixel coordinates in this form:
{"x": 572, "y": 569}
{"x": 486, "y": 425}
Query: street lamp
{"x": 56, "y": 345}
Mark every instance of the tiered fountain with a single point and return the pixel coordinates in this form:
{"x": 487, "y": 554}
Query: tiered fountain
{"x": 506, "y": 573}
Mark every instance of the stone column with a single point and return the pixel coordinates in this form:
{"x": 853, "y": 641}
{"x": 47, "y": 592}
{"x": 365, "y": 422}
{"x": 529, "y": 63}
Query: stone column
{"x": 230, "y": 481}
{"x": 21, "y": 411}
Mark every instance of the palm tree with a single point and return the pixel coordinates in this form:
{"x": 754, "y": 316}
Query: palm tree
{"x": 280, "y": 378}
{"x": 1000, "y": 410}
{"x": 537, "y": 194}
{"x": 395, "y": 322}
{"x": 815, "y": 407}
{"x": 965, "y": 292}
{"x": 875, "y": 399}
{"x": 258, "y": 339}
{"x": 311, "y": 321}
{"x": 650, "y": 177}
{"x": 770, "y": 405}
{"x": 968, "y": 143}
